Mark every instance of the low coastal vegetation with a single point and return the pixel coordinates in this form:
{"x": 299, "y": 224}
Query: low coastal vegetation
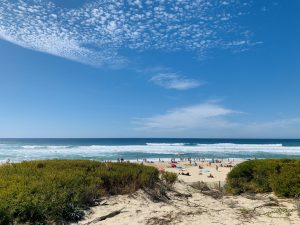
{"x": 281, "y": 176}
{"x": 58, "y": 191}
{"x": 169, "y": 178}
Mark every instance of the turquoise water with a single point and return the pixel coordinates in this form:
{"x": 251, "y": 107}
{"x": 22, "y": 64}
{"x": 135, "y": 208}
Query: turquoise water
{"x": 137, "y": 148}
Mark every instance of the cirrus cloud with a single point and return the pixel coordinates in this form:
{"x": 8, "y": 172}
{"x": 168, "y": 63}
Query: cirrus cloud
{"x": 175, "y": 81}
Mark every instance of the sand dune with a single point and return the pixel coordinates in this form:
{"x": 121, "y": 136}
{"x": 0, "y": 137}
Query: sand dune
{"x": 138, "y": 208}
{"x": 198, "y": 209}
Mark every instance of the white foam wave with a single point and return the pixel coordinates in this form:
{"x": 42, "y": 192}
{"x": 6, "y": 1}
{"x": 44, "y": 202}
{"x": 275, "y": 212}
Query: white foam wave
{"x": 103, "y": 151}
{"x": 46, "y": 146}
{"x": 165, "y": 144}
{"x": 164, "y": 148}
{"x": 242, "y": 146}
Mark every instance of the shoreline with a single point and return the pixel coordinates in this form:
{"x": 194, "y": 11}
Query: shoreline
{"x": 132, "y": 160}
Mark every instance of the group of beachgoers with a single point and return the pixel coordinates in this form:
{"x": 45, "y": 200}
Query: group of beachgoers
{"x": 200, "y": 163}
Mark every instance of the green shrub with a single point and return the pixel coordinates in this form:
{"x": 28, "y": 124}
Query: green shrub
{"x": 258, "y": 176}
{"x": 286, "y": 181}
{"x": 52, "y": 191}
{"x": 169, "y": 178}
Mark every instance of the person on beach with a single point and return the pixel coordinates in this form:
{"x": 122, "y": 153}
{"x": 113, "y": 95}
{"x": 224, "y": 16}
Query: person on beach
{"x": 186, "y": 174}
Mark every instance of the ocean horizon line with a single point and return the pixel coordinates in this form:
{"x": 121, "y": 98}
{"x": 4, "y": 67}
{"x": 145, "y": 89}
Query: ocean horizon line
{"x": 210, "y": 138}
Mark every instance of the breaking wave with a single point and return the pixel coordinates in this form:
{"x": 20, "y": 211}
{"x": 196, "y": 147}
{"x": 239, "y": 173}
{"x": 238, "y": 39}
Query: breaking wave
{"x": 19, "y": 152}
{"x": 168, "y": 148}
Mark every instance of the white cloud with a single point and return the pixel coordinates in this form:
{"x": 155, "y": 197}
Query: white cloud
{"x": 196, "y": 116}
{"x": 216, "y": 121}
{"x": 174, "y": 81}
{"x": 95, "y": 33}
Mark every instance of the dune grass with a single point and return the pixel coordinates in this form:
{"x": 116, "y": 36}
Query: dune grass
{"x": 169, "y": 178}
{"x": 282, "y": 176}
{"x": 58, "y": 191}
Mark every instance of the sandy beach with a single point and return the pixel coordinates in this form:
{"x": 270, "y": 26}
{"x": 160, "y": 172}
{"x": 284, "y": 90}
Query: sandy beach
{"x": 219, "y": 170}
{"x": 193, "y": 207}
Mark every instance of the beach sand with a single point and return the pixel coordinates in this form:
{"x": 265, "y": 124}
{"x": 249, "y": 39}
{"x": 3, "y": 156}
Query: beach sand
{"x": 194, "y": 171}
{"x": 138, "y": 208}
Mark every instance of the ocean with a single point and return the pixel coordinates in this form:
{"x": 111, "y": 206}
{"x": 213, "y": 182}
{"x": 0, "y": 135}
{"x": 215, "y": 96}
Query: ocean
{"x": 17, "y": 150}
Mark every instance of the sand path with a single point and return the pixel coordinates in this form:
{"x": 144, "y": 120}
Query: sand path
{"x": 197, "y": 209}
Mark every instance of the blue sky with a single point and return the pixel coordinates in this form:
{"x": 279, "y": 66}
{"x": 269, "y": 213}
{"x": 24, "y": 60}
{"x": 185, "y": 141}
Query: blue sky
{"x": 222, "y": 68}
